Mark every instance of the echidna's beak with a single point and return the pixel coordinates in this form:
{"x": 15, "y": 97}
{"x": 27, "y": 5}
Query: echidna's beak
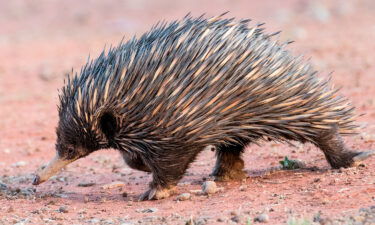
{"x": 53, "y": 167}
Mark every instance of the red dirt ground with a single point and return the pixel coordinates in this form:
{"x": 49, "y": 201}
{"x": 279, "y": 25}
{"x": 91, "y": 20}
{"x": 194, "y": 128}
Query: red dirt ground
{"x": 40, "y": 42}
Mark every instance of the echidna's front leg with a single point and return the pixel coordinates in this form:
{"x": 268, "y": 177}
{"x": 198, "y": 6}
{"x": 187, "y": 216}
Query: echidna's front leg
{"x": 229, "y": 164}
{"x": 336, "y": 152}
{"x": 166, "y": 173}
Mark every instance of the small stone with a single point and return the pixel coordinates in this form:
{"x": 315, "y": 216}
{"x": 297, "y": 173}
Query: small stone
{"x": 201, "y": 221}
{"x": 317, "y": 180}
{"x": 183, "y": 197}
{"x": 149, "y": 210}
{"x": 197, "y": 192}
{"x": 243, "y": 187}
{"x": 113, "y": 185}
{"x": 236, "y": 219}
{"x": 89, "y": 184}
{"x": 124, "y": 194}
{"x": 63, "y": 209}
{"x": 19, "y": 164}
{"x": 3, "y": 186}
{"x": 209, "y": 187}
{"x": 262, "y": 218}
{"x": 220, "y": 220}
{"x": 35, "y": 212}
{"x": 94, "y": 220}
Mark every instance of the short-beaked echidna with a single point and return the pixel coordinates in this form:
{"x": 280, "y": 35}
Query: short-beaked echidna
{"x": 162, "y": 98}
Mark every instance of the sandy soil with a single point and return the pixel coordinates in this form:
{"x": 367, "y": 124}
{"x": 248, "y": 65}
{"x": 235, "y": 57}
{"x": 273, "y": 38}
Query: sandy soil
{"x": 40, "y": 42}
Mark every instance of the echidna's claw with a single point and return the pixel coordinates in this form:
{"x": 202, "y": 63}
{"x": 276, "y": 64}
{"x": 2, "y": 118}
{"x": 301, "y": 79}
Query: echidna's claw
{"x": 363, "y": 155}
{"x": 156, "y": 194}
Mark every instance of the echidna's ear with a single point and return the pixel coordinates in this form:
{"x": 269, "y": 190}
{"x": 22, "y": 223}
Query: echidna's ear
{"x": 108, "y": 125}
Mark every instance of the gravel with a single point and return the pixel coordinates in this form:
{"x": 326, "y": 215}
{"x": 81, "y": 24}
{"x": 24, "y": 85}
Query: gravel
{"x": 89, "y": 184}
{"x": 183, "y": 197}
{"x": 262, "y": 218}
{"x": 149, "y": 210}
{"x": 209, "y": 187}
{"x": 63, "y": 209}
{"x": 112, "y": 185}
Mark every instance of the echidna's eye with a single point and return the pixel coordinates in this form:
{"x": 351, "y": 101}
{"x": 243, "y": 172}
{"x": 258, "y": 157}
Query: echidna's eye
{"x": 70, "y": 151}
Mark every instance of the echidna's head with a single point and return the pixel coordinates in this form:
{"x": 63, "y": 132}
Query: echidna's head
{"x": 80, "y": 131}
{"x": 75, "y": 139}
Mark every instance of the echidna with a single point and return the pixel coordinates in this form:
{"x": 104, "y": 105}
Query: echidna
{"x": 162, "y": 98}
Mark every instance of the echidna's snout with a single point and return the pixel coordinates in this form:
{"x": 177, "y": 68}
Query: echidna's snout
{"x": 53, "y": 167}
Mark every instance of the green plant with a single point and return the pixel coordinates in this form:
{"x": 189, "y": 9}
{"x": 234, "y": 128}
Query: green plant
{"x": 288, "y": 164}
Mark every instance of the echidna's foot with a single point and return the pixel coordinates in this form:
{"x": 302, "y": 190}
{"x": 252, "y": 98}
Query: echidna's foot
{"x": 342, "y": 160}
{"x": 348, "y": 159}
{"x": 363, "y": 155}
{"x": 157, "y": 193}
{"x": 229, "y": 165}
{"x": 336, "y": 152}
{"x": 220, "y": 175}
{"x": 359, "y": 157}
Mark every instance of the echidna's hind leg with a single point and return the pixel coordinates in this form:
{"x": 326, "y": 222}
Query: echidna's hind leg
{"x": 229, "y": 164}
{"x": 336, "y": 152}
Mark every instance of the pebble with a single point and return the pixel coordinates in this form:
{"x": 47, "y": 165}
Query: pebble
{"x": 94, "y": 220}
{"x": 220, "y": 220}
{"x": 209, "y": 187}
{"x": 197, "y": 192}
{"x": 19, "y": 164}
{"x": 3, "y": 186}
{"x": 243, "y": 187}
{"x": 236, "y": 219}
{"x": 63, "y": 209}
{"x": 89, "y": 184}
{"x": 149, "y": 210}
{"x": 183, "y": 197}
{"x": 113, "y": 185}
{"x": 262, "y": 218}
{"x": 35, "y": 212}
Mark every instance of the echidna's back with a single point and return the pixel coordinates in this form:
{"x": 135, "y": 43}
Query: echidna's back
{"x": 211, "y": 81}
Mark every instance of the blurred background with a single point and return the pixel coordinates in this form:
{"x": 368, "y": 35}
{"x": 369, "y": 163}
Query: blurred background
{"x": 40, "y": 41}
